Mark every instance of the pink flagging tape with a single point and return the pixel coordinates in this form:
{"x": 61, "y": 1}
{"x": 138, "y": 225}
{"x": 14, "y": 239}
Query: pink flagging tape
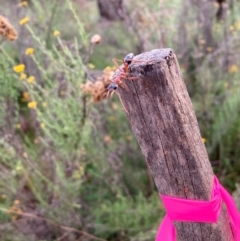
{"x": 184, "y": 210}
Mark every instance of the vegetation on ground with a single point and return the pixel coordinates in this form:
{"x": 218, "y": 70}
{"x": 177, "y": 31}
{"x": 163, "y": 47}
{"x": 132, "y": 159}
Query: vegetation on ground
{"x": 70, "y": 167}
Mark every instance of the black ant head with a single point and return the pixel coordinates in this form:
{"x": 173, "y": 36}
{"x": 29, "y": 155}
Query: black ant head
{"x": 112, "y": 86}
{"x": 128, "y": 58}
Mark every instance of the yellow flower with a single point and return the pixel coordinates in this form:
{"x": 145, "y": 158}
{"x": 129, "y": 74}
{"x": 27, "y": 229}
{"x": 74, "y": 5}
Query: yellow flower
{"x": 15, "y": 210}
{"x": 29, "y": 51}
{"x": 108, "y": 68}
{"x": 23, "y": 3}
{"x": 78, "y": 173}
{"x": 204, "y": 140}
{"x": 112, "y": 119}
{"x": 44, "y": 104}
{"x": 32, "y": 105}
{"x": 19, "y": 68}
{"x": 233, "y": 69}
{"x": 56, "y": 33}
{"x": 19, "y": 168}
{"x": 225, "y": 84}
{"x": 128, "y": 138}
{"x": 3, "y": 197}
{"x": 91, "y": 66}
{"x": 25, "y": 154}
{"x": 231, "y": 28}
{"x": 31, "y": 79}
{"x": 237, "y": 25}
{"x": 114, "y": 106}
{"x": 18, "y": 126}
{"x": 16, "y": 202}
{"x": 24, "y": 21}
{"x": 42, "y": 125}
{"x": 23, "y": 76}
{"x": 25, "y": 97}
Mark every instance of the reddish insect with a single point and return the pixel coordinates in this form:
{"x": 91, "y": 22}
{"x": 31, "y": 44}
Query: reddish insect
{"x": 124, "y": 73}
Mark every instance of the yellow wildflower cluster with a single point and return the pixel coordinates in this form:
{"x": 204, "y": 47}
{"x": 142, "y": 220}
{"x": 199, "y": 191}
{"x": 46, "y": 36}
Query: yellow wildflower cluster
{"x": 129, "y": 138}
{"x": 209, "y": 49}
{"x": 56, "y": 33}
{"x": 29, "y": 51}
{"x": 237, "y": 25}
{"x": 44, "y": 104}
{"x": 114, "y": 106}
{"x": 26, "y": 97}
{"x": 15, "y": 211}
{"x": 19, "y": 68}
{"x": 24, "y": 21}
{"x": 78, "y": 172}
{"x": 23, "y": 4}
{"x": 7, "y": 30}
{"x": 18, "y": 126}
{"x": 98, "y": 89}
{"x": 32, "y": 105}
{"x": 204, "y": 140}
{"x": 2, "y": 198}
{"x": 19, "y": 168}
{"x": 31, "y": 79}
{"x": 23, "y": 76}
{"x": 233, "y": 69}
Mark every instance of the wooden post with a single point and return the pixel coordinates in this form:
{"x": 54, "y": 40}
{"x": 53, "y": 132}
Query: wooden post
{"x": 160, "y": 111}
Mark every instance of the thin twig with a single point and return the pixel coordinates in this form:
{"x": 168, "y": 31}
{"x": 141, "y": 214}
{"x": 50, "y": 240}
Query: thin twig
{"x": 66, "y": 228}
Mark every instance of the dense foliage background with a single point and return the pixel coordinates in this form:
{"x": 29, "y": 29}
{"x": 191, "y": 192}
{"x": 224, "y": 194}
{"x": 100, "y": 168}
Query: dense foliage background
{"x": 70, "y": 167}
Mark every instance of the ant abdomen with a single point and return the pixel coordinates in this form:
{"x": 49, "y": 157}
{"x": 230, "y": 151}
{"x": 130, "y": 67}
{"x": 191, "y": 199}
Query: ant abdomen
{"x": 112, "y": 86}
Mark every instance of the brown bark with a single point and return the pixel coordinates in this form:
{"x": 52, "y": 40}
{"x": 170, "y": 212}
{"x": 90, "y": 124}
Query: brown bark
{"x": 222, "y": 9}
{"x": 111, "y": 9}
{"x": 205, "y": 17}
{"x": 163, "y": 120}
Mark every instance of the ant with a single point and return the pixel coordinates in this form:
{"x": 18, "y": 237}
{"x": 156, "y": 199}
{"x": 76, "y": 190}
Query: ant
{"x": 124, "y": 72}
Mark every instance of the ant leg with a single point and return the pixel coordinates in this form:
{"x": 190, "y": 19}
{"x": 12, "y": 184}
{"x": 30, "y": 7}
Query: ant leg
{"x": 120, "y": 79}
{"x": 115, "y": 62}
{"x": 133, "y": 78}
{"x": 123, "y": 107}
{"x": 112, "y": 94}
{"x": 119, "y": 60}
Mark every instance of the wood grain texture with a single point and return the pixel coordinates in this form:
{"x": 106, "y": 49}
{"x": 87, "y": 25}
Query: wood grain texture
{"x": 163, "y": 120}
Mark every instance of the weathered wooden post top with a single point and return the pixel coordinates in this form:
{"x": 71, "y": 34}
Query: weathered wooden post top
{"x": 161, "y": 114}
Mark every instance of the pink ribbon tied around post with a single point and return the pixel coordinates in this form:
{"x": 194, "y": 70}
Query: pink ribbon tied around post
{"x": 184, "y": 210}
